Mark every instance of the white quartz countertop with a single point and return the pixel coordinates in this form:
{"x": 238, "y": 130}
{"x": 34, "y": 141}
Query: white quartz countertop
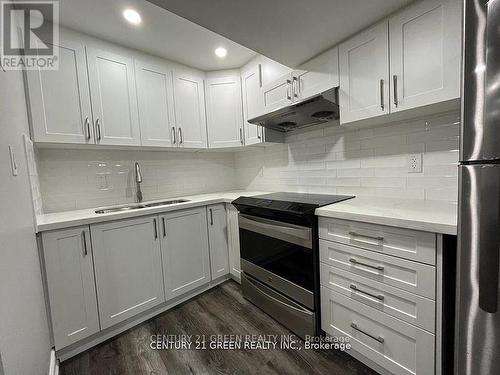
{"x": 428, "y": 216}
{"x": 66, "y": 219}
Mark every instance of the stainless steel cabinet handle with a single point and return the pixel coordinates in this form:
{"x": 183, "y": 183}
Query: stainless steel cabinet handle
{"x": 164, "y": 227}
{"x": 98, "y": 129}
{"x": 87, "y": 128}
{"x": 155, "y": 229}
{"x": 211, "y": 217}
{"x": 288, "y": 89}
{"x": 355, "y": 261}
{"x": 84, "y": 240}
{"x": 259, "y": 129}
{"x": 382, "y": 106}
{"x": 180, "y": 136}
{"x": 378, "y": 238}
{"x": 377, "y": 296}
{"x": 395, "y": 84}
{"x": 174, "y": 139}
{"x": 380, "y": 339}
{"x": 295, "y": 87}
{"x": 241, "y": 135}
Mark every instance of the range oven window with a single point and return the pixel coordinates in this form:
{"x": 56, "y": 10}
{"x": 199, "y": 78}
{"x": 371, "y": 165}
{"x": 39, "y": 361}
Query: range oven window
{"x": 281, "y": 248}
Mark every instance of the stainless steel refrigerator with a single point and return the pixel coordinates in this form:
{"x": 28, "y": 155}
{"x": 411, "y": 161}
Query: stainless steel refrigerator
{"x": 477, "y": 334}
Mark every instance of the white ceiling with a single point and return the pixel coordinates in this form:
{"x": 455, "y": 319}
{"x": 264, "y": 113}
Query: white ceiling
{"x": 289, "y": 31}
{"x": 161, "y": 33}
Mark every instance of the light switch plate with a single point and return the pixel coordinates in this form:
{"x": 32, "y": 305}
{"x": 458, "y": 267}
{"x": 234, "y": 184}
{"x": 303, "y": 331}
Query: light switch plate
{"x": 415, "y": 163}
{"x": 13, "y": 162}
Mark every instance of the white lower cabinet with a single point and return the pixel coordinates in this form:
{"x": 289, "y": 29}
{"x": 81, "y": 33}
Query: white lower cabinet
{"x": 69, "y": 273}
{"x": 128, "y": 269}
{"x": 185, "y": 253}
{"x": 218, "y": 240}
{"x": 234, "y": 242}
{"x": 398, "y": 347}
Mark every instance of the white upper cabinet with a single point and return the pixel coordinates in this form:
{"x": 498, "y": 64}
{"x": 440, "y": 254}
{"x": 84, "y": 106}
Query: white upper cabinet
{"x": 218, "y": 240}
{"x": 277, "y": 93}
{"x": 155, "y": 98}
{"x": 60, "y": 100}
{"x": 251, "y": 85}
{"x": 425, "y": 54}
{"x": 224, "y": 111}
{"x": 364, "y": 74}
{"x": 70, "y": 283}
{"x": 184, "y": 247}
{"x": 114, "y": 101}
{"x": 317, "y": 75}
{"x": 190, "y": 110}
{"x": 128, "y": 269}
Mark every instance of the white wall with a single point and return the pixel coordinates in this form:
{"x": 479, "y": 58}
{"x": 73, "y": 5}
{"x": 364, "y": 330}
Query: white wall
{"x": 76, "y": 179}
{"x": 24, "y": 336}
{"x": 369, "y": 162}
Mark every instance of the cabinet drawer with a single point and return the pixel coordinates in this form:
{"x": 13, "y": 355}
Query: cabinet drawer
{"x": 404, "y": 243}
{"x": 404, "y": 274}
{"x": 404, "y": 305}
{"x": 391, "y": 343}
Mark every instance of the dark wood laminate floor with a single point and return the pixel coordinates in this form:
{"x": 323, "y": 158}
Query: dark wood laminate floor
{"x": 222, "y": 310}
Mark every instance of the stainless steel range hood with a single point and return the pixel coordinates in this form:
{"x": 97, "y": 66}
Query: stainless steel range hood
{"x": 310, "y": 111}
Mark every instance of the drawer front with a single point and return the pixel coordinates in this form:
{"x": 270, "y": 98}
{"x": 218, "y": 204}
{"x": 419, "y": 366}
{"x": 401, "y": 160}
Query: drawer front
{"x": 404, "y": 243}
{"x": 393, "y": 344}
{"x": 411, "y": 276}
{"x": 404, "y": 305}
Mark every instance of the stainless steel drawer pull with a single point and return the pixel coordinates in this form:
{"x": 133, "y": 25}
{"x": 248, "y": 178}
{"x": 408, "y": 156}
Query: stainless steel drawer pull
{"x": 180, "y": 136}
{"x": 241, "y": 135}
{"x": 174, "y": 139}
{"x": 164, "y": 227}
{"x": 155, "y": 229}
{"x": 380, "y": 339}
{"x": 378, "y": 238}
{"x": 87, "y": 128}
{"x": 295, "y": 87}
{"x": 382, "y": 106}
{"x": 395, "y": 84}
{"x": 84, "y": 240}
{"x": 377, "y": 296}
{"x": 98, "y": 129}
{"x": 288, "y": 89}
{"x": 355, "y": 261}
{"x": 211, "y": 217}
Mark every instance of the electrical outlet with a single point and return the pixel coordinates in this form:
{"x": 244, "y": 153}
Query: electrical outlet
{"x": 415, "y": 163}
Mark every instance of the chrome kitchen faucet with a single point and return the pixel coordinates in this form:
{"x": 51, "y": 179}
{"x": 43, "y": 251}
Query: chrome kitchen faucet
{"x": 138, "y": 180}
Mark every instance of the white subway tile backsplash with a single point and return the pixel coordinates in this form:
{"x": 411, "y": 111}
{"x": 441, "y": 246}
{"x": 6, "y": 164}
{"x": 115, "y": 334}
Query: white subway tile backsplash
{"x": 366, "y": 161}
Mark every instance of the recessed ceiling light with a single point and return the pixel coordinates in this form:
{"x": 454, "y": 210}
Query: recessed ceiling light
{"x": 221, "y": 52}
{"x": 132, "y": 16}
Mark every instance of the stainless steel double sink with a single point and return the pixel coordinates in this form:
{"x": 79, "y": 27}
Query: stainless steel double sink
{"x": 137, "y": 206}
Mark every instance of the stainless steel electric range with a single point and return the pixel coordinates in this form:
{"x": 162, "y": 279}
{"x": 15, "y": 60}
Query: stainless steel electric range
{"x": 280, "y": 256}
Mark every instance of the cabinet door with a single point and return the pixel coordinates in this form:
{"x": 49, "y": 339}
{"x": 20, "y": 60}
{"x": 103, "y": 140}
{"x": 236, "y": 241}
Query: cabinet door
{"x": 277, "y": 93}
{"x": 60, "y": 99}
{"x": 70, "y": 284}
{"x": 218, "y": 237}
{"x": 155, "y": 98}
{"x": 224, "y": 112}
{"x": 127, "y": 267}
{"x": 317, "y": 75}
{"x": 364, "y": 75}
{"x": 186, "y": 264}
{"x": 190, "y": 110}
{"x": 251, "y": 87}
{"x": 114, "y": 101}
{"x": 425, "y": 53}
{"x": 234, "y": 242}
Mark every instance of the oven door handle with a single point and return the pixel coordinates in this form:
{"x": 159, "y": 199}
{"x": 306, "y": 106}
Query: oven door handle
{"x": 296, "y": 234}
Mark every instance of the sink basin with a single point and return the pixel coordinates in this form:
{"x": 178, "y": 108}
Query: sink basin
{"x": 138, "y": 206}
{"x": 164, "y": 203}
{"x": 119, "y": 209}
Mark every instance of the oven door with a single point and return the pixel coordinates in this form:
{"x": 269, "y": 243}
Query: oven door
{"x": 280, "y": 255}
